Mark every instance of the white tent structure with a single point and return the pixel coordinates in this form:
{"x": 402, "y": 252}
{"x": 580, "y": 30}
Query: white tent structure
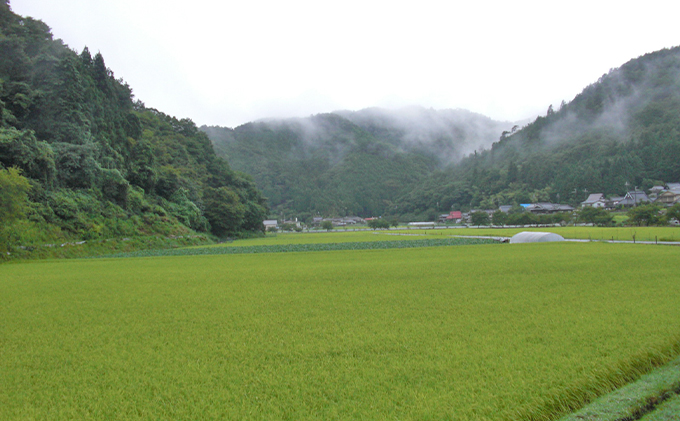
{"x": 535, "y": 237}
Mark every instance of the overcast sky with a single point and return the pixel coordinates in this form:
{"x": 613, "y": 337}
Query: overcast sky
{"x": 229, "y": 62}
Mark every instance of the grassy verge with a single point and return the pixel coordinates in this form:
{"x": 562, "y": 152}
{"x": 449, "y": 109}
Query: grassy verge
{"x": 75, "y": 249}
{"x": 667, "y": 411}
{"x": 653, "y": 397}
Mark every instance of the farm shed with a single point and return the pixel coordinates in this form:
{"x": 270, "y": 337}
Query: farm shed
{"x": 535, "y": 237}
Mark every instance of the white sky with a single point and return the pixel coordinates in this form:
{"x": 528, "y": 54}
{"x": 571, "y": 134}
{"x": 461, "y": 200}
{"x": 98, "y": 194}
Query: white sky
{"x": 229, "y": 62}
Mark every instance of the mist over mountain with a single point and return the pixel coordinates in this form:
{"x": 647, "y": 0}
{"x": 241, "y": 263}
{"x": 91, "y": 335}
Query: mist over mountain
{"x": 620, "y": 132}
{"x": 449, "y": 135}
{"x": 350, "y": 162}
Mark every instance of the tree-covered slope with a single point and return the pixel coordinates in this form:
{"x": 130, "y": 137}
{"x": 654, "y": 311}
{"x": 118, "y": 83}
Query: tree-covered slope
{"x": 446, "y": 135}
{"x": 620, "y": 132}
{"x": 350, "y": 163}
{"x": 98, "y": 163}
{"x": 320, "y": 165}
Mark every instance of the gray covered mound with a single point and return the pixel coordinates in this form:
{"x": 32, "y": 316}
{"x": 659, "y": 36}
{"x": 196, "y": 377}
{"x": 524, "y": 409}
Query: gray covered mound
{"x": 535, "y": 237}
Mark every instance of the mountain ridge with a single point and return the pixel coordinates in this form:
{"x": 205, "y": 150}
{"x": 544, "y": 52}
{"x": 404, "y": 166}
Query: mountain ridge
{"x": 348, "y": 162}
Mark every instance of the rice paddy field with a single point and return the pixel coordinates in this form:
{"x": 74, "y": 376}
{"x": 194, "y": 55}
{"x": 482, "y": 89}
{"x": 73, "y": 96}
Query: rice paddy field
{"x": 570, "y": 232}
{"x": 459, "y": 332}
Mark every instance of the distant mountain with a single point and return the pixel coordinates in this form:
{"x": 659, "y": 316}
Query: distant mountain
{"x": 448, "y": 135}
{"x": 348, "y": 162}
{"x": 621, "y": 131}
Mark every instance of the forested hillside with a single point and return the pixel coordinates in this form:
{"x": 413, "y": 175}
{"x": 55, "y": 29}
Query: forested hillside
{"x": 350, "y": 163}
{"x": 92, "y": 162}
{"x": 620, "y": 132}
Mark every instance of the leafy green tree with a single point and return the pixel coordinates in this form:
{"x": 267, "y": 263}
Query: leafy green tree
{"x": 186, "y": 211}
{"x": 523, "y": 218}
{"x": 645, "y": 215}
{"x": 77, "y": 166}
{"x": 378, "y": 223}
{"x": 327, "y": 225}
{"x": 673, "y": 212}
{"x": 499, "y": 217}
{"x": 14, "y": 190}
{"x": 479, "y": 218}
{"x": 597, "y": 216}
{"x": 21, "y": 149}
{"x": 223, "y": 210}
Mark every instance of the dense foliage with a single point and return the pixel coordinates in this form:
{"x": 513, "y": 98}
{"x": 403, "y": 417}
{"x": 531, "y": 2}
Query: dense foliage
{"x": 98, "y": 163}
{"x": 620, "y": 132}
{"x": 322, "y": 165}
{"x": 350, "y": 163}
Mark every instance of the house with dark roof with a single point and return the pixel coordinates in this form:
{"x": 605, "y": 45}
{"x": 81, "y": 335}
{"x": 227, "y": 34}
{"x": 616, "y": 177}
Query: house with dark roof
{"x": 613, "y": 202}
{"x": 595, "y": 200}
{"x": 634, "y": 198}
{"x": 546, "y": 208}
{"x": 657, "y": 189}
{"x": 669, "y": 197}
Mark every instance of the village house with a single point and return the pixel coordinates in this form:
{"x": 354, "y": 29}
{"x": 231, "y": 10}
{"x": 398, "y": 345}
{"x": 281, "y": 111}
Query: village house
{"x": 595, "y": 200}
{"x": 613, "y": 202}
{"x": 270, "y": 224}
{"x": 634, "y": 198}
{"x": 669, "y": 197}
{"x": 453, "y": 216}
{"x": 548, "y": 208}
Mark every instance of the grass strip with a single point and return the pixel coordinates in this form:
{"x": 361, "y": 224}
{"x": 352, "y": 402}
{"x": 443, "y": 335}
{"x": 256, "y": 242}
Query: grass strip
{"x": 637, "y": 400}
{"x": 667, "y": 411}
{"x": 288, "y": 248}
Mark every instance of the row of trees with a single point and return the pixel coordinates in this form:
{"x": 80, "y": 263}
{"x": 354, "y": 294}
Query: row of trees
{"x": 644, "y": 215}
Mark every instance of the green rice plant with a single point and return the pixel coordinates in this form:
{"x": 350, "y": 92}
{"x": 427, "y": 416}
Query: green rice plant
{"x": 486, "y": 332}
{"x": 304, "y": 247}
{"x": 323, "y": 237}
{"x": 584, "y": 233}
